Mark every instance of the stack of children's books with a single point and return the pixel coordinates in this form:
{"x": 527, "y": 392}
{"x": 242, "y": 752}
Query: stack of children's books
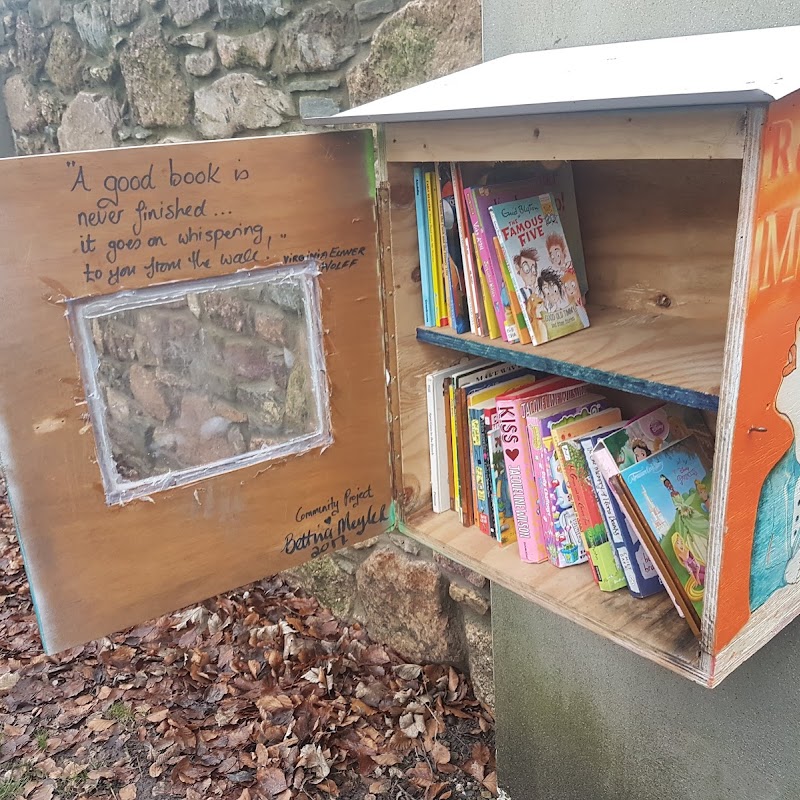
{"x": 500, "y": 258}
{"x": 551, "y": 463}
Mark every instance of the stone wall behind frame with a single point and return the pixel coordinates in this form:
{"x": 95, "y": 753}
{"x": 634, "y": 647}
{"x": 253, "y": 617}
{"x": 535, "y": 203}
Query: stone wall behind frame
{"x": 105, "y": 73}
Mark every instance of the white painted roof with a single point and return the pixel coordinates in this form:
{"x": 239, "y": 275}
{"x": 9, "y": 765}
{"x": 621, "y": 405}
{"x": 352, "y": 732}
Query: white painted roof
{"x": 710, "y": 69}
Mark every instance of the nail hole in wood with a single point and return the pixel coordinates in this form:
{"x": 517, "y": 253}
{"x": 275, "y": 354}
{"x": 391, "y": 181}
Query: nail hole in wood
{"x": 663, "y": 301}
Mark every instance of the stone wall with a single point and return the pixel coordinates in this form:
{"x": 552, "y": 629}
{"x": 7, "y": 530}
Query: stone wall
{"x": 83, "y": 74}
{"x": 95, "y": 73}
{"x": 208, "y": 376}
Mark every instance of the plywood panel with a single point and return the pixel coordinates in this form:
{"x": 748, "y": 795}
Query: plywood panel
{"x": 96, "y": 568}
{"x": 671, "y": 358}
{"x": 659, "y": 236}
{"x": 758, "y": 583}
{"x": 650, "y": 627}
{"x": 414, "y": 360}
{"x": 701, "y": 133}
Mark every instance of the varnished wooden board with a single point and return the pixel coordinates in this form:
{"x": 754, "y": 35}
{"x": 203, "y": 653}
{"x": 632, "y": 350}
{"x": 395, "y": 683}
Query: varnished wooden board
{"x": 652, "y": 241}
{"x": 650, "y": 627}
{"x": 663, "y": 134}
{"x": 96, "y": 568}
{"x": 669, "y": 358}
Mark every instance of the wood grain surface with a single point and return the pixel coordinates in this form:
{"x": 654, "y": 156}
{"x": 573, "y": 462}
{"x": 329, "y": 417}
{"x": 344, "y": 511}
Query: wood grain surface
{"x": 650, "y": 627}
{"x": 96, "y": 568}
{"x": 699, "y": 133}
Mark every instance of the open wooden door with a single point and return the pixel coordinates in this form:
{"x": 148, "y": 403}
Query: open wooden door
{"x": 193, "y": 392}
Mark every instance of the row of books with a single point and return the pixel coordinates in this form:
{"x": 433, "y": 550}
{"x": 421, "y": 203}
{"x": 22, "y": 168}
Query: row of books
{"x": 498, "y": 257}
{"x": 551, "y": 462}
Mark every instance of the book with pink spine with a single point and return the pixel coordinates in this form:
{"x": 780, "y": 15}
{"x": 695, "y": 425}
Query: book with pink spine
{"x": 512, "y": 408}
{"x": 562, "y": 535}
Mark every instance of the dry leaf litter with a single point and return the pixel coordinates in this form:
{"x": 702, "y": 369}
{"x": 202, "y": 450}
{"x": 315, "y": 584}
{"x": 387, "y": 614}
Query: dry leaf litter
{"x": 259, "y": 694}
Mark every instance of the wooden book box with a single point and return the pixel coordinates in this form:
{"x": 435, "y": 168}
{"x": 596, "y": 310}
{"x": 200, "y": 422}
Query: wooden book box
{"x": 141, "y": 305}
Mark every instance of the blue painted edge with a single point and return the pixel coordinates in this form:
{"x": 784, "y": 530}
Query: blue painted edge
{"x": 612, "y": 380}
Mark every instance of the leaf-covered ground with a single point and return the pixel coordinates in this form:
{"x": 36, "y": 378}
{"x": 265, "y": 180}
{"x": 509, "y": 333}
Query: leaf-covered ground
{"x": 259, "y": 693}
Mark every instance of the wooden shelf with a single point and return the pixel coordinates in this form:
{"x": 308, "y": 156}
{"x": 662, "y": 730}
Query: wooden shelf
{"x": 650, "y": 627}
{"x": 666, "y": 357}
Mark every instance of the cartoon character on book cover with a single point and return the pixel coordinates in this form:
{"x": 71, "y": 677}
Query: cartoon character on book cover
{"x": 759, "y": 574}
{"x": 568, "y": 540}
{"x": 672, "y": 490}
{"x": 775, "y": 560}
{"x": 542, "y": 271}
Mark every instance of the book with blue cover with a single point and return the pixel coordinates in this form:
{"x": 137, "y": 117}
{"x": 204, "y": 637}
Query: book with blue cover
{"x": 425, "y": 267}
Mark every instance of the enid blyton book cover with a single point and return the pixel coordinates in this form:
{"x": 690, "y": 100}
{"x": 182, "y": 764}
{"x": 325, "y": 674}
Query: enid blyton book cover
{"x": 541, "y": 268}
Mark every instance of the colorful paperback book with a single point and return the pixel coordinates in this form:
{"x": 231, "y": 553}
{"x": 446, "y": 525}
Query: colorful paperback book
{"x": 512, "y": 410}
{"x": 435, "y": 245}
{"x": 519, "y": 317}
{"x": 639, "y": 570}
{"x": 499, "y": 495}
{"x": 472, "y": 284}
{"x": 437, "y": 433}
{"x": 654, "y": 429}
{"x": 559, "y": 523}
{"x": 540, "y": 178}
{"x": 482, "y": 400}
{"x": 478, "y": 199}
{"x": 486, "y": 299}
{"x": 426, "y": 274}
{"x": 459, "y": 431}
{"x": 606, "y": 567}
{"x": 451, "y": 251}
{"x": 539, "y": 261}
{"x": 672, "y": 489}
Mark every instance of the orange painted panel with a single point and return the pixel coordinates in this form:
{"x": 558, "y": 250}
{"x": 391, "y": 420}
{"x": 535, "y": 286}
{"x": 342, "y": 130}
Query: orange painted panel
{"x": 760, "y": 570}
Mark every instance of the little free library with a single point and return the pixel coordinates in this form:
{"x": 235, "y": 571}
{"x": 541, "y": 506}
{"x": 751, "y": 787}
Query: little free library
{"x": 548, "y": 330}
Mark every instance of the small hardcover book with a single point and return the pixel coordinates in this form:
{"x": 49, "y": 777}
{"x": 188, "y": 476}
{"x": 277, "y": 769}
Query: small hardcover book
{"x": 672, "y": 489}
{"x": 425, "y": 269}
{"x": 640, "y": 573}
{"x": 541, "y": 268}
{"x": 512, "y": 410}
{"x": 559, "y": 522}
{"x": 603, "y": 557}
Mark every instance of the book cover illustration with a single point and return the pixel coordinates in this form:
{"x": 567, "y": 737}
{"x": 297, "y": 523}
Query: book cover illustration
{"x": 672, "y": 489}
{"x": 640, "y": 573}
{"x": 502, "y": 511}
{"x": 478, "y": 200}
{"x": 539, "y": 261}
{"x": 512, "y": 410}
{"x": 653, "y": 430}
{"x": 559, "y": 522}
{"x": 603, "y": 557}
{"x": 511, "y": 293}
{"x": 451, "y": 252}
{"x": 472, "y": 284}
{"x": 481, "y": 400}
